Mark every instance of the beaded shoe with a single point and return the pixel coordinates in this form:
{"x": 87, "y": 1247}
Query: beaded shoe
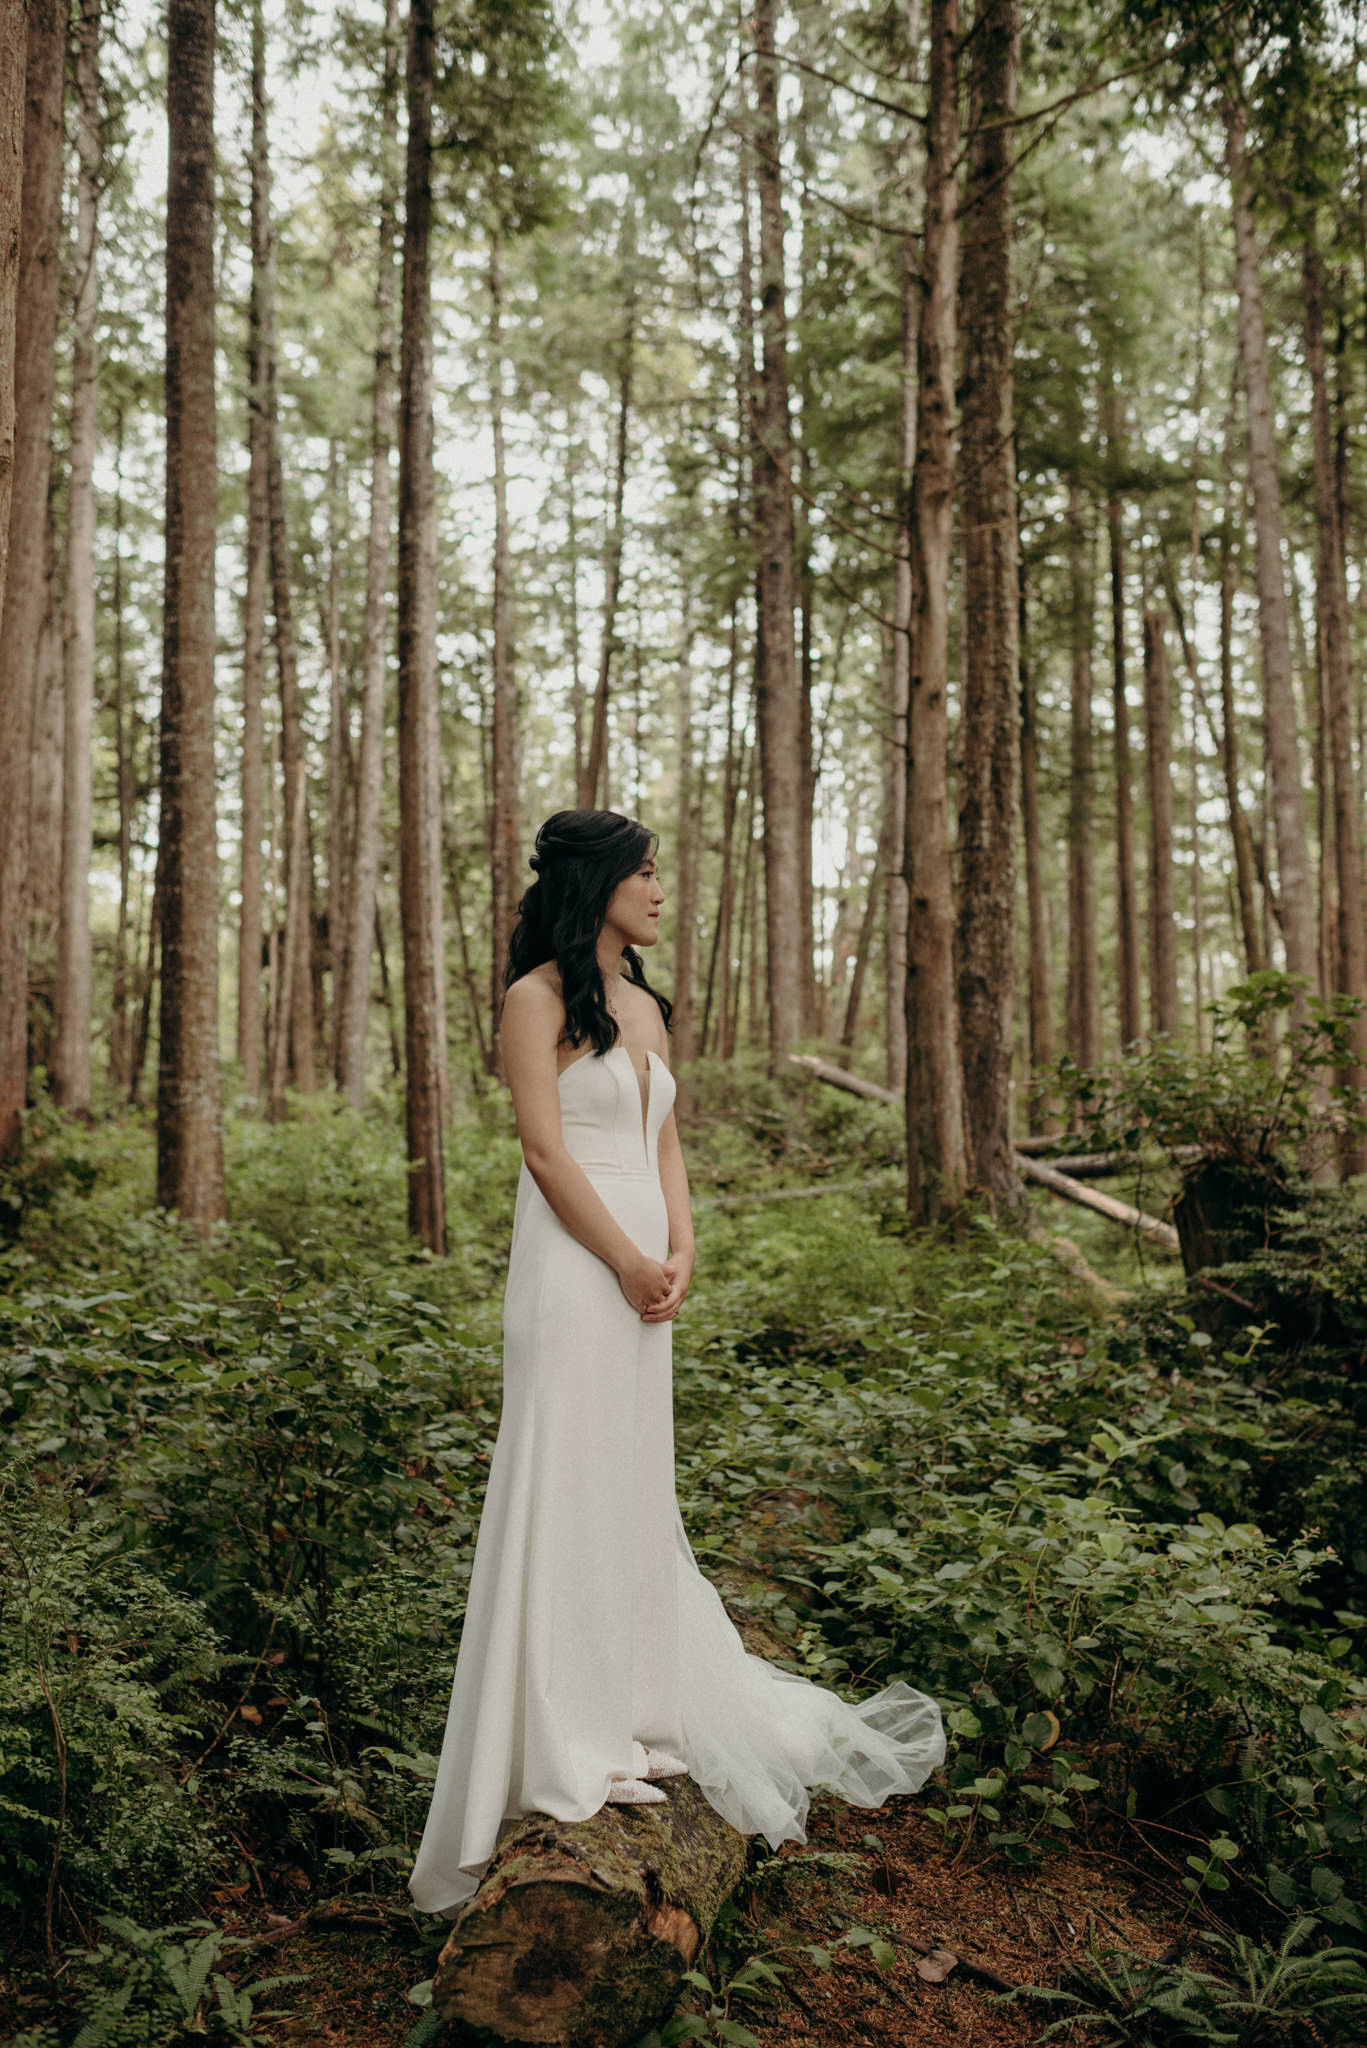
{"x": 633, "y": 1792}
{"x": 658, "y": 1763}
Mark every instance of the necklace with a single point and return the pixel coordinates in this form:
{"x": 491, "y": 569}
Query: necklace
{"x": 612, "y": 1006}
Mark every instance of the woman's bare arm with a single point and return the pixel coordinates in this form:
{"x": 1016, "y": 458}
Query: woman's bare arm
{"x": 679, "y": 1208}
{"x": 533, "y": 1016}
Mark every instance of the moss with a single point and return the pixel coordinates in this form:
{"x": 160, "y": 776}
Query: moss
{"x": 567, "y": 1941}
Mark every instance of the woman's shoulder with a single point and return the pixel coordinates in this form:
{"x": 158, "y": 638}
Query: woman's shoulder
{"x": 536, "y": 993}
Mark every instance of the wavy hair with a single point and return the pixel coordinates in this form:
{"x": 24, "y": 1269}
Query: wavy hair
{"x": 580, "y": 858}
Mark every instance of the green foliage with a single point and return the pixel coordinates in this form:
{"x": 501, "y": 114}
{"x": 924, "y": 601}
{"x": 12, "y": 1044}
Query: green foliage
{"x": 243, "y": 1480}
{"x": 148, "y": 1987}
{"x": 1244, "y": 1098}
{"x": 1283, "y": 1995}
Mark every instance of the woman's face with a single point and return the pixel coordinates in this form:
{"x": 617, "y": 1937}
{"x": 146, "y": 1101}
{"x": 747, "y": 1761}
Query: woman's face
{"x": 634, "y": 906}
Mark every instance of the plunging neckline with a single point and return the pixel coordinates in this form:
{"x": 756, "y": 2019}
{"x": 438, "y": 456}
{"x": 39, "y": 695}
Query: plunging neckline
{"x": 638, "y": 1076}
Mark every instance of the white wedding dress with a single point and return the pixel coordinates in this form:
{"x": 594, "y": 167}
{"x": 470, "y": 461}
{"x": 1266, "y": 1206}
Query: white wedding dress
{"x": 589, "y": 1624}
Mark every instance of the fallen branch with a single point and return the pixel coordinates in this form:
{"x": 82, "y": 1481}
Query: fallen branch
{"x": 1091, "y": 1198}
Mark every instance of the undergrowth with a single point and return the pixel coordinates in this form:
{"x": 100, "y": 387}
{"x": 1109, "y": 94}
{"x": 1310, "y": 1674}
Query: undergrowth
{"x": 239, "y": 1485}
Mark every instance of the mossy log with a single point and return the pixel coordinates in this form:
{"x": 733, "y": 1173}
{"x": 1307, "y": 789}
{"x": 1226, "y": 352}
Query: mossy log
{"x": 581, "y": 1932}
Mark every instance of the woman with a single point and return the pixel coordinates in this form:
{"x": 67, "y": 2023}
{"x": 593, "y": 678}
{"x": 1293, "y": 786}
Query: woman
{"x": 595, "y": 1659}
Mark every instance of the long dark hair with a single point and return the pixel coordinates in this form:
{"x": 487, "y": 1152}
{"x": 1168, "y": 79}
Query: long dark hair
{"x": 580, "y": 858}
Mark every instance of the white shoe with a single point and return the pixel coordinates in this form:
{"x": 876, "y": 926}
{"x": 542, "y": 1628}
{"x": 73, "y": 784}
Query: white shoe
{"x": 633, "y": 1792}
{"x": 660, "y": 1764}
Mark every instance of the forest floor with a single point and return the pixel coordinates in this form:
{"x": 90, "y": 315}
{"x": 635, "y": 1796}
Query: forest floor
{"x": 1006, "y": 1930}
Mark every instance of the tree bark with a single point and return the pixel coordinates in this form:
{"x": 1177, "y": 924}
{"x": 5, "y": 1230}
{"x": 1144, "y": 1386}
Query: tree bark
{"x": 1164, "y": 1010}
{"x": 778, "y": 692}
{"x": 1283, "y": 748}
{"x": 1084, "y": 991}
{"x": 125, "y": 785}
{"x": 1040, "y": 1113}
{"x": 258, "y": 572}
{"x": 1331, "y": 588}
{"x": 45, "y": 804}
{"x": 37, "y": 283}
{"x": 295, "y": 940}
{"x": 339, "y": 746}
{"x": 937, "y": 1155}
{"x": 365, "y": 862}
{"x": 686, "y": 866}
{"x": 989, "y": 786}
{"x": 418, "y": 655}
{"x": 1130, "y": 1004}
{"x": 296, "y": 995}
{"x": 189, "y": 1118}
{"x": 13, "y": 63}
{"x": 1227, "y": 739}
{"x": 593, "y": 789}
{"x": 899, "y": 680}
{"x": 505, "y": 827}
{"x": 581, "y": 1931}
{"x": 71, "y": 1048}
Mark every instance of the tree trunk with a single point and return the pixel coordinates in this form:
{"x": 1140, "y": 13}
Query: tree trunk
{"x": 989, "y": 788}
{"x": 258, "y": 572}
{"x": 593, "y": 789}
{"x": 778, "y": 693}
{"x": 1126, "y": 891}
{"x": 1331, "y": 586}
{"x": 125, "y": 787}
{"x": 573, "y": 634}
{"x": 937, "y": 1156}
{"x": 1164, "y": 1010}
{"x": 505, "y": 831}
{"x": 297, "y": 992}
{"x": 475, "y": 999}
{"x": 1227, "y": 740}
{"x": 339, "y": 748}
{"x": 189, "y": 1118}
{"x": 719, "y": 958}
{"x": 899, "y": 680}
{"x": 147, "y": 981}
{"x": 13, "y": 61}
{"x": 1084, "y": 993}
{"x": 686, "y": 865}
{"x": 295, "y": 800}
{"x": 38, "y": 273}
{"x": 45, "y": 805}
{"x": 418, "y": 655}
{"x": 71, "y": 1049}
{"x": 1283, "y": 749}
{"x": 1040, "y": 1115}
{"x": 863, "y": 946}
{"x": 432, "y": 816}
{"x": 581, "y": 1931}
{"x": 365, "y": 858}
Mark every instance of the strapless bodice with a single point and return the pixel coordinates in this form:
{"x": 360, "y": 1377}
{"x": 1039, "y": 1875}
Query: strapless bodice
{"x": 602, "y": 1119}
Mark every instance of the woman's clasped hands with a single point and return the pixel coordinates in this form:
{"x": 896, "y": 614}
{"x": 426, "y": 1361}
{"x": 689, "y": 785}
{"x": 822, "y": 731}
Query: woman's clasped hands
{"x": 656, "y": 1287}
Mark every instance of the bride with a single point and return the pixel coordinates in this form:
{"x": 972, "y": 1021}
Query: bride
{"x": 595, "y": 1659}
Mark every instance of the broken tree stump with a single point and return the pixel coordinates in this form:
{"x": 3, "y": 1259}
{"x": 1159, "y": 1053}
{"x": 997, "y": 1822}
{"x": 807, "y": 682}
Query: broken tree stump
{"x": 581, "y": 1931}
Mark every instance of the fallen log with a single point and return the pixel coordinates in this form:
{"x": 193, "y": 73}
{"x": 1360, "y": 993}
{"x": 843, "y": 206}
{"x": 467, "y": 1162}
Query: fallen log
{"x": 1039, "y": 1171}
{"x": 581, "y": 1931}
{"x": 1047, "y": 1176}
{"x": 841, "y": 1077}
